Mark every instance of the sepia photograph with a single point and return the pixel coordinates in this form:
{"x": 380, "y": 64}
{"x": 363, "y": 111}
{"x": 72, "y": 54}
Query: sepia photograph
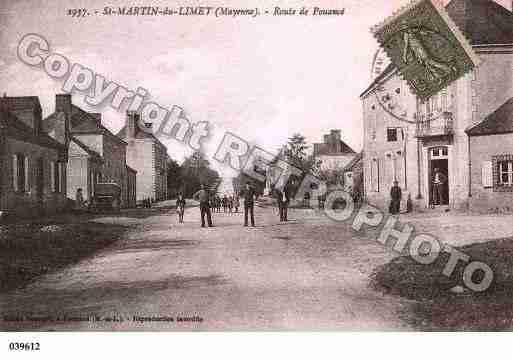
{"x": 319, "y": 166}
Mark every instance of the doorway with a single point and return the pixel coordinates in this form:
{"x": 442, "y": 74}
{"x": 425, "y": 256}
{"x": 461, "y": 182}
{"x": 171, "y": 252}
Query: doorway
{"x": 439, "y": 159}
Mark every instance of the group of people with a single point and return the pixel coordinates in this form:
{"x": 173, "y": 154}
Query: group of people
{"x": 438, "y": 183}
{"x": 228, "y": 203}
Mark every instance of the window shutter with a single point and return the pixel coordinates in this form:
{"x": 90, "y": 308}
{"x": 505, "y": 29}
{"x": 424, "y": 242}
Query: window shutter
{"x": 15, "y": 172}
{"x": 487, "y": 174}
{"x": 27, "y": 172}
{"x": 52, "y": 175}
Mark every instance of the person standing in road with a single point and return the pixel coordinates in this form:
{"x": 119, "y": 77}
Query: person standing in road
{"x": 395, "y": 198}
{"x": 180, "y": 207}
{"x": 283, "y": 200}
{"x": 203, "y": 198}
{"x": 230, "y": 204}
{"x": 249, "y": 204}
{"x": 236, "y": 203}
{"x": 225, "y": 203}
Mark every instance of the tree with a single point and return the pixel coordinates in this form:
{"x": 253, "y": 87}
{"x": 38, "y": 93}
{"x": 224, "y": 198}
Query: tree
{"x": 333, "y": 177}
{"x": 174, "y": 178}
{"x": 296, "y": 154}
{"x": 240, "y": 181}
{"x": 195, "y": 171}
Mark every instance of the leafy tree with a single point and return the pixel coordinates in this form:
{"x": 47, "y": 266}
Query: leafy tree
{"x": 174, "y": 178}
{"x": 296, "y": 153}
{"x": 195, "y": 171}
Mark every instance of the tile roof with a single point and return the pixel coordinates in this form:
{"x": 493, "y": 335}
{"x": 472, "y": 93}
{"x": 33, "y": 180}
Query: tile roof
{"x": 20, "y": 102}
{"x": 500, "y": 121}
{"x": 482, "y": 21}
{"x": 138, "y": 135}
{"x": 82, "y": 122}
{"x": 13, "y": 127}
{"x": 387, "y": 71}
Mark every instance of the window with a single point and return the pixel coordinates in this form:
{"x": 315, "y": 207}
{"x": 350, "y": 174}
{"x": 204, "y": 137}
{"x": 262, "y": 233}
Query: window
{"x": 55, "y": 176}
{"x": 94, "y": 180}
{"x": 20, "y": 173}
{"x": 392, "y": 134}
{"x": 502, "y": 173}
{"x": 439, "y": 153}
{"x": 60, "y": 172}
{"x": 505, "y": 173}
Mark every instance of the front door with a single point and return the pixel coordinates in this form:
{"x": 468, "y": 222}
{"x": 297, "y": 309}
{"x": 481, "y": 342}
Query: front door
{"x": 439, "y": 161}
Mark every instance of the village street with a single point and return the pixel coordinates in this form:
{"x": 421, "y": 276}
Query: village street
{"x": 310, "y": 273}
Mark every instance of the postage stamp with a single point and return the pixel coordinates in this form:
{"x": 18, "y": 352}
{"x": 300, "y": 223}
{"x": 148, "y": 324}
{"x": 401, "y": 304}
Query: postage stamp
{"x": 426, "y": 46}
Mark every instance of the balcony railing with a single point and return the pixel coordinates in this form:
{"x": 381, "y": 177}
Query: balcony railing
{"x": 430, "y": 126}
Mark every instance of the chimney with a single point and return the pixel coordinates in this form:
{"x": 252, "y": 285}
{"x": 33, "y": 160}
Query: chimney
{"x": 131, "y": 118}
{"x": 336, "y": 135}
{"x": 63, "y": 104}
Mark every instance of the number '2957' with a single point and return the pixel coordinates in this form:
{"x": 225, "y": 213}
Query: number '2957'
{"x": 24, "y": 346}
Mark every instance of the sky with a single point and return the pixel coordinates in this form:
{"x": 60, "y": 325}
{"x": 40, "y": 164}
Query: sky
{"x": 262, "y": 78}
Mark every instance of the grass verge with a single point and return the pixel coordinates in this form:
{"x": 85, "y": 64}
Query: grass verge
{"x": 436, "y": 307}
{"x": 28, "y": 250}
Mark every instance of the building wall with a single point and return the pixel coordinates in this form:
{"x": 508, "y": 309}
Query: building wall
{"x": 160, "y": 163}
{"x": 468, "y": 100}
{"x": 114, "y": 168}
{"x": 29, "y": 203}
{"x": 93, "y": 141}
{"x": 335, "y": 162}
{"x": 114, "y": 155}
{"x": 78, "y": 170}
{"x": 490, "y": 90}
{"x": 383, "y": 159}
{"x": 140, "y": 157}
{"x": 487, "y": 199}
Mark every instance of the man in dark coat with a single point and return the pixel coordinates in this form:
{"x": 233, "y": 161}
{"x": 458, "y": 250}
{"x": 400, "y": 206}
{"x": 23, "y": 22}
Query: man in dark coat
{"x": 283, "y": 199}
{"x": 249, "y": 204}
{"x": 395, "y": 195}
{"x": 439, "y": 180}
{"x": 203, "y": 197}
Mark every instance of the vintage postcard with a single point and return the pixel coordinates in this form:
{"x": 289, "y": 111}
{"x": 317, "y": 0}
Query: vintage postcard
{"x": 341, "y": 165}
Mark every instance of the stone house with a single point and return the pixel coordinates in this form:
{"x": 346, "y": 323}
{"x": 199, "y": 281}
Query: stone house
{"x": 491, "y": 159}
{"x": 406, "y": 139}
{"x": 148, "y": 156}
{"x": 95, "y": 154}
{"x": 33, "y": 176}
{"x": 333, "y": 152}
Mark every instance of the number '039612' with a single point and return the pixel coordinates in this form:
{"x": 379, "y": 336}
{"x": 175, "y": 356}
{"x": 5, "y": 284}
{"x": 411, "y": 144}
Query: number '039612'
{"x": 15, "y": 346}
